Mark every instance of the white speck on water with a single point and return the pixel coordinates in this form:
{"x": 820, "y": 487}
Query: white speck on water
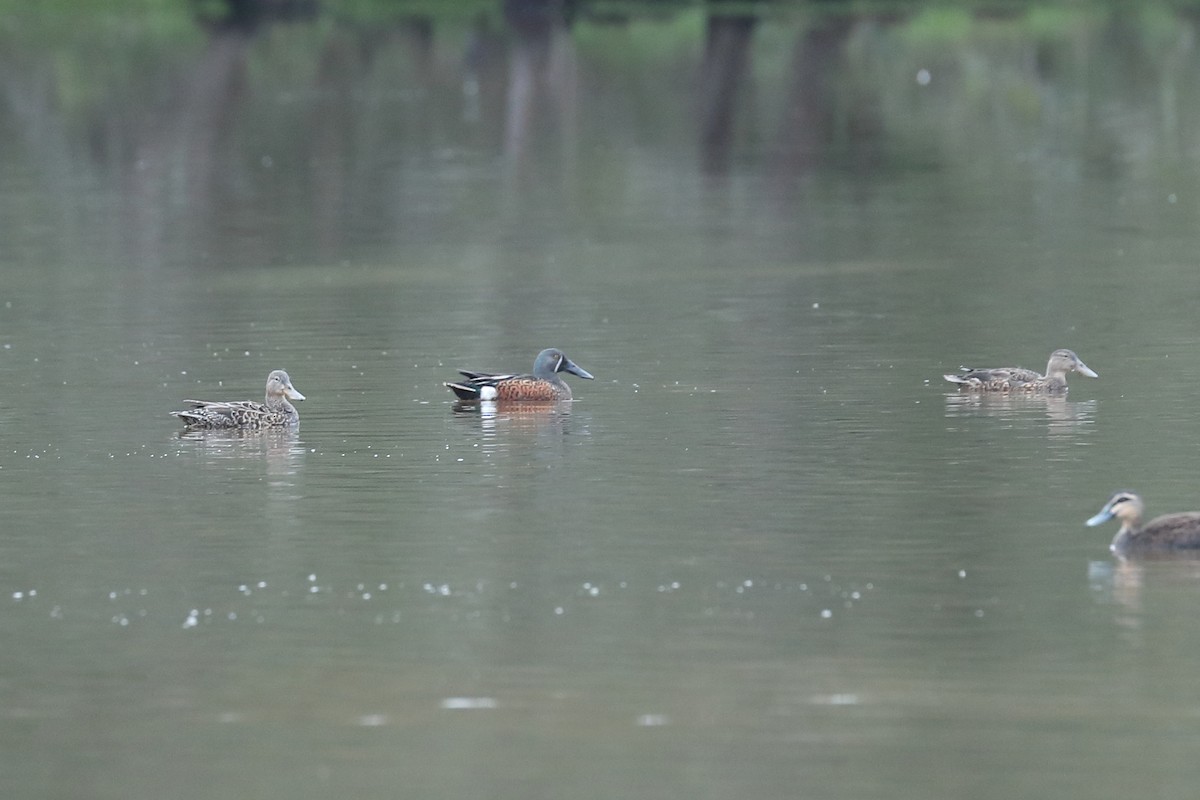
{"x": 558, "y": 611}
{"x": 191, "y": 620}
{"x": 652, "y": 720}
{"x": 312, "y": 578}
{"x": 468, "y": 703}
{"x": 826, "y": 613}
{"x": 1171, "y": 198}
{"x": 923, "y": 77}
{"x": 962, "y": 573}
{"x": 314, "y": 589}
{"x": 18, "y": 595}
{"x": 373, "y": 720}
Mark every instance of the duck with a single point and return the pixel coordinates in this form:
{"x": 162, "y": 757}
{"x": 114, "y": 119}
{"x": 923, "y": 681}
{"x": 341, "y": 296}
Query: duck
{"x": 541, "y": 386}
{"x": 276, "y": 412}
{"x": 1168, "y": 532}
{"x": 1016, "y": 379}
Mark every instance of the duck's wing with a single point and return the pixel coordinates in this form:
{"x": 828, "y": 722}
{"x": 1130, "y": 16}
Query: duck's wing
{"x": 220, "y": 414}
{"x": 1175, "y": 531}
{"x": 993, "y": 376}
{"x": 473, "y": 387}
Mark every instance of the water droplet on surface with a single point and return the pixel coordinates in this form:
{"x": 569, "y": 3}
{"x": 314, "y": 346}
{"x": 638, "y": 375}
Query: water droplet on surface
{"x": 652, "y": 720}
{"x": 468, "y": 703}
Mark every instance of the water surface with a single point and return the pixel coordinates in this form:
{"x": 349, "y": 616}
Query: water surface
{"x": 768, "y": 552}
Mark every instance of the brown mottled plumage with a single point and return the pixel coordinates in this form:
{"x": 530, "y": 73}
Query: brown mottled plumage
{"x": 542, "y": 386}
{"x": 277, "y": 412}
{"x": 1016, "y": 379}
{"x": 1168, "y": 532}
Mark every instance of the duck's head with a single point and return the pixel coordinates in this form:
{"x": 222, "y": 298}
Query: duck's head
{"x": 1064, "y": 361}
{"x": 280, "y": 385}
{"x": 1125, "y": 506}
{"x": 553, "y": 360}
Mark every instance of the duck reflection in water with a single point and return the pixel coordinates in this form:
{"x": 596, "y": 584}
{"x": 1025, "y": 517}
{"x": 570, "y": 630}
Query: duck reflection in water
{"x": 520, "y": 418}
{"x": 1063, "y": 416}
{"x": 281, "y": 450}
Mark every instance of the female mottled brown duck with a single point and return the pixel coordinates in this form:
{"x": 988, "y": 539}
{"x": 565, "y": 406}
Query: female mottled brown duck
{"x": 1168, "y": 532}
{"x": 1016, "y": 379}
{"x": 276, "y": 412}
{"x": 543, "y": 386}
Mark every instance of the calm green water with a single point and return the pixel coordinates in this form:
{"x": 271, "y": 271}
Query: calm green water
{"x": 765, "y": 554}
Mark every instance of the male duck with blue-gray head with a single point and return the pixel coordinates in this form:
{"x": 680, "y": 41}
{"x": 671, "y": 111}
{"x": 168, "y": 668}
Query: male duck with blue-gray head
{"x": 1168, "y": 532}
{"x": 542, "y": 386}
{"x": 276, "y": 412}
{"x": 1016, "y": 379}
